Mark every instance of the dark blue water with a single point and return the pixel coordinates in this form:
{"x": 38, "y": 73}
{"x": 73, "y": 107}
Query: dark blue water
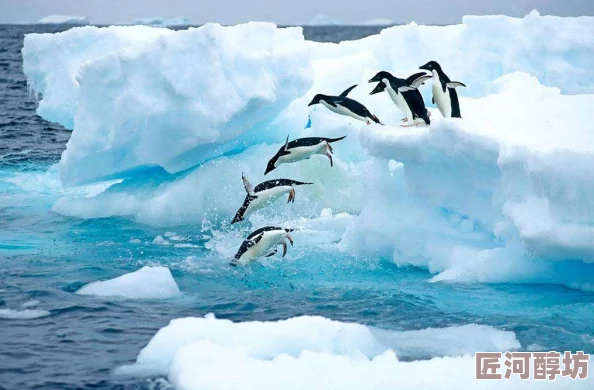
{"x": 46, "y": 257}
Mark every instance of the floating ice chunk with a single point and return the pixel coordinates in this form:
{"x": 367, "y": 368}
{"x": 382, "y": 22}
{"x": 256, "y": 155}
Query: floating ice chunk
{"x": 30, "y": 303}
{"x": 27, "y": 314}
{"x": 318, "y": 353}
{"x": 64, "y": 19}
{"x": 270, "y": 340}
{"x": 378, "y": 22}
{"x": 146, "y": 283}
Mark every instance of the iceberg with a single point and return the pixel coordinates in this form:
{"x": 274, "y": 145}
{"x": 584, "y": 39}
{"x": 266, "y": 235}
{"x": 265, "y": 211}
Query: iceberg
{"x": 503, "y": 195}
{"x": 319, "y": 353}
{"x": 64, "y": 19}
{"x": 323, "y": 20}
{"x": 161, "y": 22}
{"x": 146, "y": 283}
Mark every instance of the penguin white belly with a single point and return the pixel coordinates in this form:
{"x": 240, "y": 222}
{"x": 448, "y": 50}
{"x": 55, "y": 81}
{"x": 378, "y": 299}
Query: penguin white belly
{"x": 266, "y": 197}
{"x": 399, "y": 101}
{"x": 266, "y": 245}
{"x": 442, "y": 99}
{"x": 343, "y": 111}
{"x": 302, "y": 152}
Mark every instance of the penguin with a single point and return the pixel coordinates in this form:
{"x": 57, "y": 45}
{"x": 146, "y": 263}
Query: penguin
{"x": 301, "y": 149}
{"x": 262, "y": 242}
{"x": 345, "y": 106}
{"x": 265, "y": 193}
{"x": 404, "y": 94}
{"x": 444, "y": 91}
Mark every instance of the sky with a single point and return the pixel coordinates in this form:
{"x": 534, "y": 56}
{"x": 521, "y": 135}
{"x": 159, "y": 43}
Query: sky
{"x": 286, "y": 12}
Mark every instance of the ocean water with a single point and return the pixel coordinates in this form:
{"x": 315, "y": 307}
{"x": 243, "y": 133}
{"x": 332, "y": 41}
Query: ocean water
{"x": 76, "y": 342}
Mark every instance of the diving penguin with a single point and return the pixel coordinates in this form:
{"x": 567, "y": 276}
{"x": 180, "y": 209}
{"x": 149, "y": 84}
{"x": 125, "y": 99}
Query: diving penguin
{"x": 262, "y": 242}
{"x": 301, "y": 149}
{"x": 444, "y": 91}
{"x": 345, "y": 106}
{"x": 404, "y": 94}
{"x": 264, "y": 194}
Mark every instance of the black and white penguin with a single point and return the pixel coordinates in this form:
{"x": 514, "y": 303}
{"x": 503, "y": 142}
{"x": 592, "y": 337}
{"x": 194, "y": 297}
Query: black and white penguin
{"x": 444, "y": 91}
{"x": 264, "y": 194}
{"x": 345, "y": 106}
{"x": 301, "y": 149}
{"x": 262, "y": 242}
{"x": 404, "y": 94}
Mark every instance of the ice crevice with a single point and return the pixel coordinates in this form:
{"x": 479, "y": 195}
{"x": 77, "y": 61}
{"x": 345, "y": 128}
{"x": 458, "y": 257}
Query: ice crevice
{"x": 502, "y": 195}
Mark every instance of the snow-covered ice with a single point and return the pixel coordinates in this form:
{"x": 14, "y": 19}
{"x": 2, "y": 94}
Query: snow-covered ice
{"x": 64, "y": 19}
{"x": 319, "y": 353}
{"x": 146, "y": 283}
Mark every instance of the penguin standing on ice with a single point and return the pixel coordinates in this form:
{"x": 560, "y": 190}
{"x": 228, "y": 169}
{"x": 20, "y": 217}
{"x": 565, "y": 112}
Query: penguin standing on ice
{"x": 345, "y": 106}
{"x": 262, "y": 242}
{"x": 444, "y": 91}
{"x": 265, "y": 193}
{"x": 404, "y": 94}
{"x": 301, "y": 149}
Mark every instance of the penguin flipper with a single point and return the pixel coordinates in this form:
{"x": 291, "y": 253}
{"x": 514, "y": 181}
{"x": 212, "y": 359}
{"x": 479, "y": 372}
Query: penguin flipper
{"x": 432, "y": 100}
{"x": 455, "y": 84}
{"x": 420, "y": 81}
{"x": 346, "y": 91}
{"x": 406, "y": 88}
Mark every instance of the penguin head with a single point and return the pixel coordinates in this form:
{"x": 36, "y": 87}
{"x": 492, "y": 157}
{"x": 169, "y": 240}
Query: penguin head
{"x": 271, "y": 164}
{"x": 380, "y": 76}
{"x": 284, "y": 150}
{"x": 316, "y": 99}
{"x": 431, "y": 66}
{"x": 380, "y": 87}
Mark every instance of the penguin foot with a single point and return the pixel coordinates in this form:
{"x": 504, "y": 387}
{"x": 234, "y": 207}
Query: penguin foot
{"x": 291, "y": 196}
{"x": 329, "y": 148}
{"x": 405, "y": 119}
{"x": 272, "y": 253}
{"x": 284, "y": 244}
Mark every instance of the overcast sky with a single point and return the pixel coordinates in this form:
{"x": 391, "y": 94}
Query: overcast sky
{"x": 285, "y": 11}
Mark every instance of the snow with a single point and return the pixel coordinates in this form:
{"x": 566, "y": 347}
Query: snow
{"x": 319, "y": 353}
{"x": 323, "y": 20}
{"x": 27, "y": 314}
{"x": 64, "y": 19}
{"x": 146, "y": 283}
{"x": 502, "y": 195}
{"x": 161, "y": 22}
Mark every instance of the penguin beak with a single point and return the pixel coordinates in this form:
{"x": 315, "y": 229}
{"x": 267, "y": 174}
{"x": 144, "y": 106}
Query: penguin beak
{"x": 373, "y": 79}
{"x": 311, "y": 103}
{"x": 269, "y": 168}
{"x": 425, "y": 67}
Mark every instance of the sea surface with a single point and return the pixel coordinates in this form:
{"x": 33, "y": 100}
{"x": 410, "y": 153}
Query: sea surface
{"x": 76, "y": 342}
